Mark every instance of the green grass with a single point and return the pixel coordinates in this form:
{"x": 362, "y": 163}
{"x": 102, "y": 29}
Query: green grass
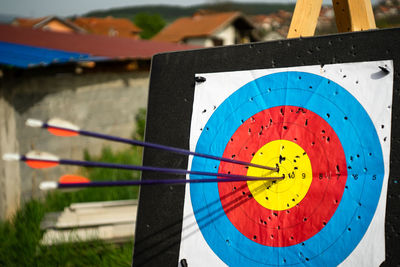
{"x": 19, "y": 245}
{"x": 85, "y": 254}
{"x": 20, "y": 236}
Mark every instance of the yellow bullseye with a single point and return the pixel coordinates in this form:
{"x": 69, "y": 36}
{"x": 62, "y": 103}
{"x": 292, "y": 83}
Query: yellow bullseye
{"x": 293, "y": 162}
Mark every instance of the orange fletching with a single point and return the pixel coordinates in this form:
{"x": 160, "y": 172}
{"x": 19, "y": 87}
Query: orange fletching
{"x": 72, "y": 179}
{"x": 62, "y": 132}
{"x": 36, "y": 164}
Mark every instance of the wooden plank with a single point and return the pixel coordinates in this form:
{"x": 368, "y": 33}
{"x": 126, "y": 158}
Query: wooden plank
{"x": 305, "y": 18}
{"x": 105, "y": 210}
{"x": 110, "y": 233}
{"x": 97, "y": 217}
{"x": 101, "y": 204}
{"x": 111, "y": 221}
{"x": 342, "y": 15}
{"x": 103, "y": 213}
{"x": 354, "y": 15}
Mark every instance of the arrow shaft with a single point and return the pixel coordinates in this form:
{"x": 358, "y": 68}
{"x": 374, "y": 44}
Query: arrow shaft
{"x": 140, "y": 168}
{"x": 155, "y": 182}
{"x": 158, "y": 146}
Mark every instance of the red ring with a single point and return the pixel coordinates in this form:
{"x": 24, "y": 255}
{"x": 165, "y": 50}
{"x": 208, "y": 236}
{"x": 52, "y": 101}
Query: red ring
{"x": 299, "y": 223}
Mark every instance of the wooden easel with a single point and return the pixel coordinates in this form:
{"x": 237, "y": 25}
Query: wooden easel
{"x": 351, "y": 15}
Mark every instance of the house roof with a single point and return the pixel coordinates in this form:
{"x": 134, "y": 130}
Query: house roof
{"x": 37, "y": 23}
{"x": 259, "y": 19}
{"x": 200, "y": 24}
{"x": 108, "y": 26}
{"x": 93, "y": 45}
{"x": 27, "y": 22}
{"x": 281, "y": 17}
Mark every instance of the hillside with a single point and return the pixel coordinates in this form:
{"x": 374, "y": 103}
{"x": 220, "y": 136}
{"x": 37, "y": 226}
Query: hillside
{"x": 170, "y": 13}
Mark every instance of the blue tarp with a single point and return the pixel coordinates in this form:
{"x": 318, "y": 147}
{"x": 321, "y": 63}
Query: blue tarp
{"x": 24, "y": 56}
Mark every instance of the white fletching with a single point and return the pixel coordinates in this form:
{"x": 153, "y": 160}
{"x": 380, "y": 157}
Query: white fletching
{"x": 41, "y": 156}
{"x": 11, "y": 157}
{"x": 48, "y": 185}
{"x": 56, "y": 122}
{"x": 34, "y": 123}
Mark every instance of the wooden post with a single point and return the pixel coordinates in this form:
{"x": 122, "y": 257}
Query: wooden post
{"x": 305, "y": 18}
{"x": 353, "y": 15}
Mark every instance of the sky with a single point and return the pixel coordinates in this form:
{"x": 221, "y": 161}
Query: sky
{"x": 38, "y": 8}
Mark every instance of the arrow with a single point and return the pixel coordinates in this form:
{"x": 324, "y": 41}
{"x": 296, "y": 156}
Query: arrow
{"x": 64, "y": 128}
{"x": 40, "y": 160}
{"x": 74, "y": 181}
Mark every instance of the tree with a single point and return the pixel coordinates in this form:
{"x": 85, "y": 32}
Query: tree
{"x": 221, "y": 5}
{"x": 150, "y": 24}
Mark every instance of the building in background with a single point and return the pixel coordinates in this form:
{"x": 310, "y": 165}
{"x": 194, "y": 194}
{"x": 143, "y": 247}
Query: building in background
{"x": 49, "y": 23}
{"x": 207, "y": 28}
{"x": 273, "y": 26}
{"x": 115, "y": 27}
{"x": 109, "y": 26}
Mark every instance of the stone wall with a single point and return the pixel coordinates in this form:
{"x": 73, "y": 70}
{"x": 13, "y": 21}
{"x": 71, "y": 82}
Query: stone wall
{"x": 104, "y": 102}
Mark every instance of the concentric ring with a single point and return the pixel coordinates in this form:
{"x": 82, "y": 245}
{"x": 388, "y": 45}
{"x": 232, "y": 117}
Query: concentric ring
{"x": 299, "y": 223}
{"x": 363, "y": 154}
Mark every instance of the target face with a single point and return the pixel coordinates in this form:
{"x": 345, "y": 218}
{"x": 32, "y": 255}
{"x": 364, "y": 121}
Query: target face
{"x": 327, "y": 147}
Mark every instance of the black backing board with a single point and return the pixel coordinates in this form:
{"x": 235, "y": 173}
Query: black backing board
{"x": 158, "y": 228}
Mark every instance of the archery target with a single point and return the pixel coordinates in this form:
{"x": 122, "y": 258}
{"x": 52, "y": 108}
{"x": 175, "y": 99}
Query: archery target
{"x": 324, "y": 139}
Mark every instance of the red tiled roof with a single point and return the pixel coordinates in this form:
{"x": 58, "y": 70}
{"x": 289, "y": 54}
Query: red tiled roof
{"x": 108, "y": 26}
{"x": 37, "y": 23}
{"x": 383, "y": 8}
{"x": 95, "y": 45}
{"x": 258, "y": 19}
{"x": 26, "y": 22}
{"x": 195, "y": 26}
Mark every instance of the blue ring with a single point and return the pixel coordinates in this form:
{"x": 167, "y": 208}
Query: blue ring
{"x": 363, "y": 153}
